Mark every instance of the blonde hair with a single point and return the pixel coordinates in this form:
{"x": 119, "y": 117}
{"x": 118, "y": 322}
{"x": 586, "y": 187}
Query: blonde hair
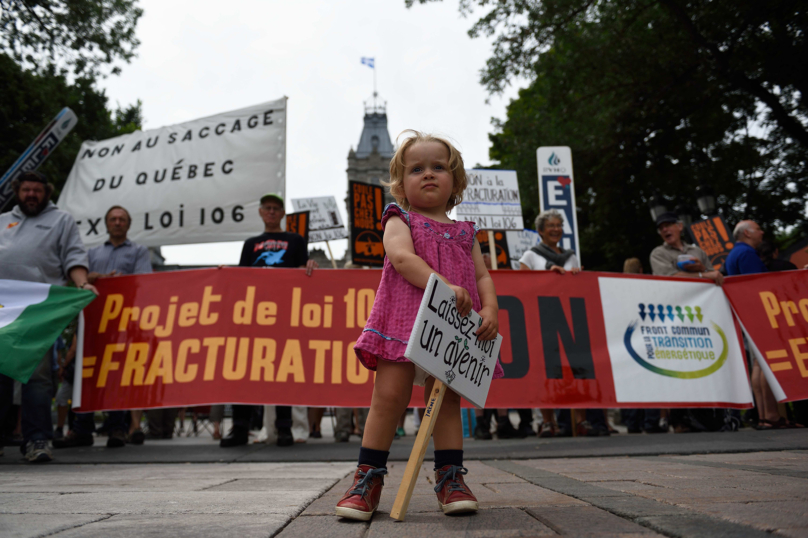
{"x": 397, "y": 171}
{"x": 632, "y": 265}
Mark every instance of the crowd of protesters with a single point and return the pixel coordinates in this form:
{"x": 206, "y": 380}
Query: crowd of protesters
{"x": 45, "y": 247}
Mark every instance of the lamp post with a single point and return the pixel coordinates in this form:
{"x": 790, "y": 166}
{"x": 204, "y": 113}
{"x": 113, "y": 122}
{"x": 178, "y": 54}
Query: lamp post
{"x": 657, "y": 205}
{"x": 706, "y": 199}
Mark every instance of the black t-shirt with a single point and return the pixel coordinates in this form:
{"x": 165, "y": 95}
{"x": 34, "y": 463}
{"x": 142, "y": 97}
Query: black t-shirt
{"x": 277, "y": 249}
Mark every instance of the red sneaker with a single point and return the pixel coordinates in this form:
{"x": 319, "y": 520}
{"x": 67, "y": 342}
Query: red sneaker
{"x": 454, "y": 495}
{"x": 362, "y": 498}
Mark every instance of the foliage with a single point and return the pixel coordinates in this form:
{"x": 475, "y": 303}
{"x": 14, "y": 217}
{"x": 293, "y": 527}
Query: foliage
{"x": 87, "y": 36}
{"x": 654, "y": 95}
{"x": 31, "y": 100}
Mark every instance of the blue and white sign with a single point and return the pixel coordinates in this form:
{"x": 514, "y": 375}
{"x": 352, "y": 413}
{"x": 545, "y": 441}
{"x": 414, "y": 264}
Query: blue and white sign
{"x": 557, "y": 191}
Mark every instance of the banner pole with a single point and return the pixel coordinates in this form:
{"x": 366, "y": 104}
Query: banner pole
{"x": 492, "y": 249}
{"x": 331, "y": 255}
{"x": 404, "y": 495}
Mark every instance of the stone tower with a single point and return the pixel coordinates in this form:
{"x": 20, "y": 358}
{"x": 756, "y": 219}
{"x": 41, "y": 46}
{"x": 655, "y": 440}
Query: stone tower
{"x": 370, "y": 162}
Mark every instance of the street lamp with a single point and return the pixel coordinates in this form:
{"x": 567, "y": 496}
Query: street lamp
{"x": 657, "y": 206}
{"x": 706, "y": 200}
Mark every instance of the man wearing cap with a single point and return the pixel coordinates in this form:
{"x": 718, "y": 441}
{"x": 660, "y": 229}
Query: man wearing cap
{"x": 674, "y": 257}
{"x": 38, "y": 243}
{"x": 273, "y": 248}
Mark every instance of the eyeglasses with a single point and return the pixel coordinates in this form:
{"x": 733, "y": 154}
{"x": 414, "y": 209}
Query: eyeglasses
{"x": 553, "y": 226}
{"x": 270, "y": 209}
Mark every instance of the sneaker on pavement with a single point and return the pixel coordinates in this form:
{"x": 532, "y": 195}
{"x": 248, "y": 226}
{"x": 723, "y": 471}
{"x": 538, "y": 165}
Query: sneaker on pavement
{"x": 137, "y": 437}
{"x": 238, "y": 436}
{"x": 72, "y": 439}
{"x": 285, "y": 437}
{"x": 454, "y": 496}
{"x": 546, "y": 429}
{"x": 400, "y": 432}
{"x": 481, "y": 433}
{"x": 342, "y": 437}
{"x": 38, "y": 451}
{"x": 116, "y": 439}
{"x": 362, "y": 498}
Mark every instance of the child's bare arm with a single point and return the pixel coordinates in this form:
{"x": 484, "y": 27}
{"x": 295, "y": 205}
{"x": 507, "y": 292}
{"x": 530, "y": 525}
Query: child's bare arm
{"x": 488, "y": 296}
{"x": 401, "y": 253}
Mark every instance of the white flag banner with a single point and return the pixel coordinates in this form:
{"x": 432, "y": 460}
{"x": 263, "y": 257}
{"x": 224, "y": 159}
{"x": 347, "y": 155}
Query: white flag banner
{"x": 325, "y": 222}
{"x": 491, "y": 200}
{"x": 195, "y": 182}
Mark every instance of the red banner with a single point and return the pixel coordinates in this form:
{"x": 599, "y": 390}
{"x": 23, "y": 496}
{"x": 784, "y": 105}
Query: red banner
{"x": 245, "y": 335}
{"x": 773, "y": 308}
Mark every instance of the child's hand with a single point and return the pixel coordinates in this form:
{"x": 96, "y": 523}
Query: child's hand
{"x": 490, "y": 326}
{"x": 463, "y": 300}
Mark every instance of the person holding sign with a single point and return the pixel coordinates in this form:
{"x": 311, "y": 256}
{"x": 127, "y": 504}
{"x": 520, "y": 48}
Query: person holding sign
{"x": 427, "y": 178}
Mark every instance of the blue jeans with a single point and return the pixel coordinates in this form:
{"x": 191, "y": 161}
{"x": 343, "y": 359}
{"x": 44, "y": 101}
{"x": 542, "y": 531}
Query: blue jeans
{"x": 36, "y": 401}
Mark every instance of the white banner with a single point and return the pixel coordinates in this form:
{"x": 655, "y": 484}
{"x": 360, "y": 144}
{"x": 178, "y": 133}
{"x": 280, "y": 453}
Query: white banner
{"x": 491, "y": 200}
{"x": 196, "y": 182}
{"x": 672, "y": 341}
{"x": 325, "y": 221}
{"x": 443, "y": 343}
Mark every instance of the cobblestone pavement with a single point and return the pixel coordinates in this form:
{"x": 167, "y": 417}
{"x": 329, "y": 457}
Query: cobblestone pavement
{"x": 734, "y": 494}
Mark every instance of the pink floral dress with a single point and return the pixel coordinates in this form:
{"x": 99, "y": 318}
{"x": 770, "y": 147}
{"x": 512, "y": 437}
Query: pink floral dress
{"x": 447, "y": 250}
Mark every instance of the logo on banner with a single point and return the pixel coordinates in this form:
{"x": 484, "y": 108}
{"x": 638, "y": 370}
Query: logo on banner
{"x": 553, "y": 160}
{"x": 676, "y": 341}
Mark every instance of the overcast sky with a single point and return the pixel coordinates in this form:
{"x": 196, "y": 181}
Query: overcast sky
{"x": 201, "y": 58}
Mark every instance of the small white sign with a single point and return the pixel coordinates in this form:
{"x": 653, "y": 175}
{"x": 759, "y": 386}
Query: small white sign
{"x": 443, "y": 343}
{"x": 325, "y": 222}
{"x": 520, "y": 242}
{"x": 491, "y": 200}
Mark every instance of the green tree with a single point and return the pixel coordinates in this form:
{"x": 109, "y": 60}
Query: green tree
{"x": 654, "y": 96}
{"x": 86, "y": 36}
{"x": 31, "y": 100}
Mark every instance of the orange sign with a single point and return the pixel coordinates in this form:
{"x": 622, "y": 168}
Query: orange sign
{"x": 366, "y": 203}
{"x": 501, "y": 245}
{"x": 298, "y": 223}
{"x": 713, "y": 237}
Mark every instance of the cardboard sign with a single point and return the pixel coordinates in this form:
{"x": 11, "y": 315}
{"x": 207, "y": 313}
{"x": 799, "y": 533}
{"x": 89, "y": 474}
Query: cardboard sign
{"x": 444, "y": 344}
{"x": 367, "y": 205}
{"x": 713, "y": 237}
{"x": 518, "y": 243}
{"x": 491, "y": 200}
{"x": 557, "y": 191}
{"x": 298, "y": 223}
{"x": 325, "y": 222}
{"x": 501, "y": 246}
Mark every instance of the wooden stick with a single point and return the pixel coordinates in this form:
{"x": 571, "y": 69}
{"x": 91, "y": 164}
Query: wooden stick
{"x": 331, "y": 255}
{"x": 574, "y": 420}
{"x": 418, "y": 450}
{"x": 492, "y": 249}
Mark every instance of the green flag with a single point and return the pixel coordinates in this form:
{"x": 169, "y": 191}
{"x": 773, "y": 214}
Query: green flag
{"x": 32, "y": 315}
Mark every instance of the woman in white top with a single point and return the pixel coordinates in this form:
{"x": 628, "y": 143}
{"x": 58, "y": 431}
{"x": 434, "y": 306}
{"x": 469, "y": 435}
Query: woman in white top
{"x": 547, "y": 255}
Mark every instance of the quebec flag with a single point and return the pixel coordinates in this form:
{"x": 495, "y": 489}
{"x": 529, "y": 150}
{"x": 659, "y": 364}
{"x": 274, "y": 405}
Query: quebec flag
{"x": 368, "y": 62}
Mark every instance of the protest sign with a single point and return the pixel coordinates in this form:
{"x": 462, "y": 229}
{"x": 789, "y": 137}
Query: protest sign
{"x": 195, "y": 182}
{"x": 491, "y": 200}
{"x": 39, "y": 150}
{"x": 500, "y": 247}
{"x": 557, "y": 191}
{"x": 444, "y": 344}
{"x": 773, "y": 309}
{"x": 518, "y": 243}
{"x": 326, "y": 222}
{"x": 367, "y": 203}
{"x": 298, "y": 223}
{"x": 713, "y": 237}
{"x": 276, "y": 336}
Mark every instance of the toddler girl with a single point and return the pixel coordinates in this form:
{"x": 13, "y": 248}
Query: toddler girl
{"x": 427, "y": 178}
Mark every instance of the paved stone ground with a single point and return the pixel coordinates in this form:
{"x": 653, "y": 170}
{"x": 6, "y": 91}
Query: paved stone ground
{"x": 737, "y": 490}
